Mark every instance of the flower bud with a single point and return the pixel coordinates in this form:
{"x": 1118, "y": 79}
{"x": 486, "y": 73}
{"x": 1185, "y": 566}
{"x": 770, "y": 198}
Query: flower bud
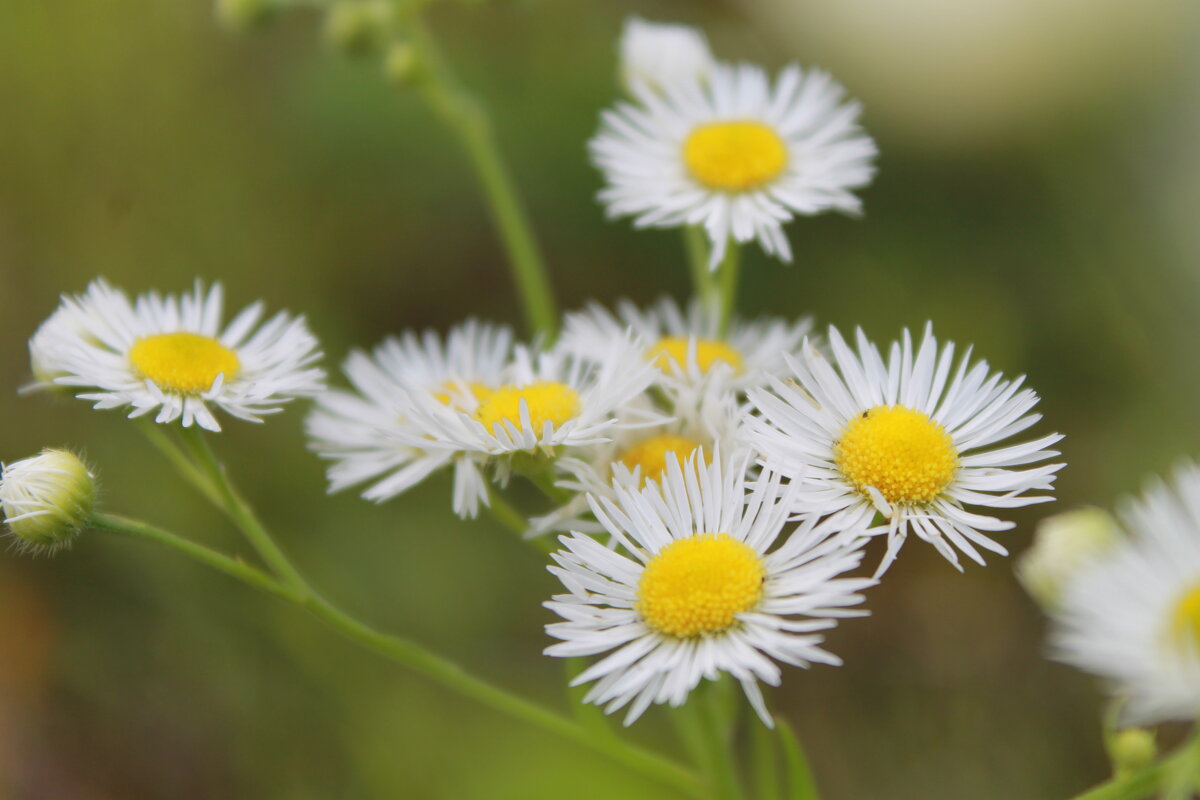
{"x": 1132, "y": 749}
{"x": 401, "y": 65}
{"x": 660, "y": 54}
{"x": 47, "y": 499}
{"x": 245, "y": 15}
{"x": 357, "y": 26}
{"x": 1063, "y": 544}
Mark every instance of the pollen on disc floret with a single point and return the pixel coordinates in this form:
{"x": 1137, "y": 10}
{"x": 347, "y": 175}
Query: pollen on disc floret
{"x": 183, "y": 362}
{"x": 898, "y": 451}
{"x": 547, "y": 401}
{"x": 700, "y": 584}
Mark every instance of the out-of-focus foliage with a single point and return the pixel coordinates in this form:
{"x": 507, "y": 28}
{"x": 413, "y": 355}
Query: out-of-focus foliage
{"x": 1036, "y": 197}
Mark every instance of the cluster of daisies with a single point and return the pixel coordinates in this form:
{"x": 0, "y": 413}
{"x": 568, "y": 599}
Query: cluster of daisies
{"x": 713, "y": 482}
{"x": 714, "y": 485}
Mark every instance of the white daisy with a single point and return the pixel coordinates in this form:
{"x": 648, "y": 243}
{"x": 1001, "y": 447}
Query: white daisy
{"x": 703, "y": 589}
{"x": 905, "y": 439}
{"x": 708, "y": 419}
{"x": 686, "y": 344}
{"x": 169, "y": 353}
{"x": 548, "y": 400}
{"x": 1132, "y": 614}
{"x": 367, "y": 431}
{"x": 659, "y": 54}
{"x": 733, "y": 153}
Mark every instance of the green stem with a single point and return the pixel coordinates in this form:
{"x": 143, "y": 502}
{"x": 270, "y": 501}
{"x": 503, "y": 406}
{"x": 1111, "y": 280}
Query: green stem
{"x": 695, "y": 242}
{"x": 179, "y": 459}
{"x": 762, "y": 754}
{"x": 717, "y": 740}
{"x": 466, "y": 117}
{"x": 415, "y": 657}
{"x": 728, "y": 273}
{"x": 110, "y": 523}
{"x": 507, "y": 515}
{"x": 801, "y": 785}
{"x": 1143, "y": 782}
{"x": 240, "y": 512}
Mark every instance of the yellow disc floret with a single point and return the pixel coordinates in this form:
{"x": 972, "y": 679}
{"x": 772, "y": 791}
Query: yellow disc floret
{"x": 548, "y": 401}
{"x": 902, "y": 453}
{"x": 1185, "y": 620}
{"x": 652, "y": 454}
{"x": 671, "y": 352}
{"x": 186, "y": 363}
{"x": 734, "y": 156}
{"x": 700, "y": 584}
{"x": 451, "y": 393}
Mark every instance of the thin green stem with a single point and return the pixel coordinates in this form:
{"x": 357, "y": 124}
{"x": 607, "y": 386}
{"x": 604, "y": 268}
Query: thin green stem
{"x": 241, "y": 513}
{"x": 695, "y": 243}
{"x": 801, "y": 785}
{"x": 110, "y": 523}
{"x": 466, "y": 117}
{"x": 763, "y": 761}
{"x": 166, "y": 445}
{"x": 717, "y": 740}
{"x": 728, "y": 276}
{"x": 504, "y": 512}
{"x": 415, "y": 657}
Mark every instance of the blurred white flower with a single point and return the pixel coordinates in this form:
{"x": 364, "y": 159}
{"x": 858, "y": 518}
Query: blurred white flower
{"x": 1132, "y": 614}
{"x": 660, "y": 54}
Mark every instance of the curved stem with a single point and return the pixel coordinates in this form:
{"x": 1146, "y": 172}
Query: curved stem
{"x": 110, "y": 523}
{"x": 466, "y": 117}
{"x": 413, "y": 656}
{"x": 240, "y": 512}
{"x": 507, "y": 515}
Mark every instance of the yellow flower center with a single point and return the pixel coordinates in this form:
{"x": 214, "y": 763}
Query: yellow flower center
{"x": 652, "y": 454}
{"x": 1185, "y": 621}
{"x": 904, "y": 454}
{"x": 548, "y": 401}
{"x": 734, "y": 156}
{"x": 698, "y": 585}
{"x": 186, "y": 363}
{"x": 670, "y": 354}
{"x": 451, "y": 392}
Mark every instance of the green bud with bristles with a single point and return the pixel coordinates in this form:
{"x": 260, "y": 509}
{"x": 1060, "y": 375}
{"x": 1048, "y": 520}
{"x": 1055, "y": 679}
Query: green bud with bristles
{"x": 47, "y": 499}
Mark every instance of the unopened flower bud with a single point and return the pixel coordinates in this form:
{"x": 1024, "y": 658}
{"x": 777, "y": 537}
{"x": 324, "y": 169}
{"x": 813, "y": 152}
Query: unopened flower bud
{"x": 1063, "y": 544}
{"x": 660, "y": 54}
{"x": 401, "y": 64}
{"x": 244, "y": 15}
{"x": 47, "y": 499}
{"x": 1132, "y": 749}
{"x": 357, "y": 26}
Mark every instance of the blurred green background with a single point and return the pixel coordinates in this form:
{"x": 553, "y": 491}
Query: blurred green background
{"x": 1037, "y": 196}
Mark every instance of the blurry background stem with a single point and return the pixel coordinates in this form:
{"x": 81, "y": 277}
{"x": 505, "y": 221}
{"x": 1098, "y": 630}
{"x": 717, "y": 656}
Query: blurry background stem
{"x": 467, "y": 118}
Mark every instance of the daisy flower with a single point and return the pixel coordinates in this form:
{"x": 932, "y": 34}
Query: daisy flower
{"x": 705, "y": 420}
{"x": 686, "y": 344}
{"x": 658, "y": 54}
{"x": 169, "y": 354}
{"x": 734, "y": 153}
{"x": 367, "y": 433}
{"x": 547, "y": 401}
{"x": 701, "y": 588}
{"x": 1132, "y": 614}
{"x": 906, "y": 439}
